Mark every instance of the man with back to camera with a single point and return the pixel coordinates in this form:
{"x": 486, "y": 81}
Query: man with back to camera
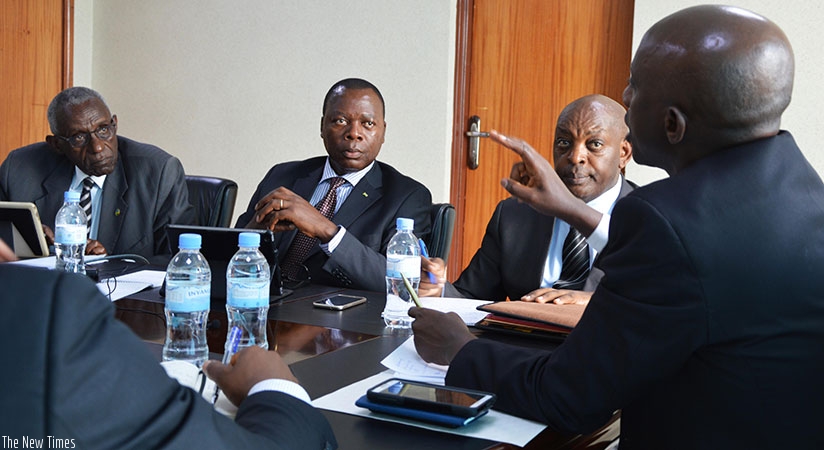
{"x": 523, "y": 251}
{"x": 134, "y": 189}
{"x": 707, "y": 330}
{"x": 79, "y": 378}
{"x": 349, "y": 248}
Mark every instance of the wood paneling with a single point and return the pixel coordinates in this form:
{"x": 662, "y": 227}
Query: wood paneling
{"x": 35, "y": 57}
{"x": 526, "y": 60}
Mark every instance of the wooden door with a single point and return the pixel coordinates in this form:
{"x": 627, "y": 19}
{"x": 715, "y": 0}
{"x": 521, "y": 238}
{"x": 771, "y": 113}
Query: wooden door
{"x": 35, "y": 62}
{"x": 519, "y": 62}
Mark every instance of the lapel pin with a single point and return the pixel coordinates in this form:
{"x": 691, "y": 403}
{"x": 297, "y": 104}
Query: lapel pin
{"x": 365, "y": 194}
{"x": 117, "y": 212}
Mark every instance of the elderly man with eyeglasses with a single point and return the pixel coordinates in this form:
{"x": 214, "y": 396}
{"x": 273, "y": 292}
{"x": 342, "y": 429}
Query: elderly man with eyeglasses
{"x": 134, "y": 190}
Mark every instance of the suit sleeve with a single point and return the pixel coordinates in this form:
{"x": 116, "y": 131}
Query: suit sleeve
{"x": 365, "y": 266}
{"x": 483, "y": 277}
{"x": 108, "y": 391}
{"x": 175, "y": 207}
{"x": 618, "y": 348}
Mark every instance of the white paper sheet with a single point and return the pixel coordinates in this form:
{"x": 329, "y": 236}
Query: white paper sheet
{"x": 494, "y": 426}
{"x": 406, "y": 363}
{"x": 464, "y": 307}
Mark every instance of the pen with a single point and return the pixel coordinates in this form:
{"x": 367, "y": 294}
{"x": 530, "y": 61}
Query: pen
{"x": 411, "y": 291}
{"x": 231, "y": 348}
{"x": 425, "y": 254}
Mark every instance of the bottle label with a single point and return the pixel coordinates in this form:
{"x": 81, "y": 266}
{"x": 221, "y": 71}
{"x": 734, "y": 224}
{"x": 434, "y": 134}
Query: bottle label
{"x": 70, "y": 234}
{"x": 187, "y": 298}
{"x": 248, "y": 296}
{"x": 410, "y": 266}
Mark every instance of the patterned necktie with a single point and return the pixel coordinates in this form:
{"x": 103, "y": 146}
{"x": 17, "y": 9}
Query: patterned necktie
{"x": 302, "y": 244}
{"x": 86, "y": 202}
{"x": 574, "y": 262}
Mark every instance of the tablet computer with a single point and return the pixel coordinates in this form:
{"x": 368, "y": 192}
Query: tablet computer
{"x": 21, "y": 229}
{"x": 219, "y": 245}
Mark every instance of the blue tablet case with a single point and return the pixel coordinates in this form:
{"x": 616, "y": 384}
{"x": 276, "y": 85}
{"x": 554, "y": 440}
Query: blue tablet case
{"x": 444, "y": 420}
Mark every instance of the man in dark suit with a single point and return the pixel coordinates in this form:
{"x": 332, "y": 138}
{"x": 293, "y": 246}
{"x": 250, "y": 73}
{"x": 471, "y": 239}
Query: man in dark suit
{"x": 521, "y": 256}
{"x": 76, "y": 374}
{"x": 136, "y": 189}
{"x": 347, "y": 246}
{"x": 707, "y": 330}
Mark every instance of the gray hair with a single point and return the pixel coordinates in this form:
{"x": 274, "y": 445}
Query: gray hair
{"x": 69, "y": 97}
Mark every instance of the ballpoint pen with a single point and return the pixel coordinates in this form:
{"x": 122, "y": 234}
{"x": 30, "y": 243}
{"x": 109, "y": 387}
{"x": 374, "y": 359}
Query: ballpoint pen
{"x": 411, "y": 291}
{"x": 425, "y": 254}
{"x": 231, "y": 348}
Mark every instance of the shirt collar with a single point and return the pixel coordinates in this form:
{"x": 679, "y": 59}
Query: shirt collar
{"x": 352, "y": 177}
{"x": 604, "y": 202}
{"x": 79, "y": 176}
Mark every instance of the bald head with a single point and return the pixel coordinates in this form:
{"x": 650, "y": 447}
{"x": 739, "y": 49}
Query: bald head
{"x": 722, "y": 76}
{"x": 590, "y": 147}
{"x": 610, "y": 111}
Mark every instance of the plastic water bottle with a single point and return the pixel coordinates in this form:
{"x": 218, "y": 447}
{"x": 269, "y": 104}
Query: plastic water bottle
{"x": 70, "y": 235}
{"x": 188, "y": 289}
{"x": 247, "y": 293}
{"x": 403, "y": 256}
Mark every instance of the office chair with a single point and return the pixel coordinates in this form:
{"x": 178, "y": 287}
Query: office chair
{"x": 213, "y": 199}
{"x": 443, "y": 226}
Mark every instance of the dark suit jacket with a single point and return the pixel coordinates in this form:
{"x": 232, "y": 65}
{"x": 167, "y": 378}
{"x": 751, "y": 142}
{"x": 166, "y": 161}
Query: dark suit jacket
{"x": 145, "y": 192}
{"x": 75, "y": 372}
{"x": 707, "y": 329}
{"x": 513, "y": 253}
{"x": 368, "y": 214}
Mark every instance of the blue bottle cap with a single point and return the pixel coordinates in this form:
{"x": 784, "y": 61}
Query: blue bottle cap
{"x": 71, "y": 196}
{"x": 189, "y": 241}
{"x": 248, "y": 240}
{"x": 402, "y": 223}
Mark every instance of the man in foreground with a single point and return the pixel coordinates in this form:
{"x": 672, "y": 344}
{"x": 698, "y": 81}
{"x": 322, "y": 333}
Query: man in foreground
{"x": 133, "y": 190}
{"x": 338, "y": 211}
{"x": 527, "y": 255}
{"x": 707, "y": 330}
{"x": 77, "y": 375}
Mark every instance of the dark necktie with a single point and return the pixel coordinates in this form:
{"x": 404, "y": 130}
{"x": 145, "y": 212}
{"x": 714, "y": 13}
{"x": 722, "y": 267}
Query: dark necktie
{"x": 86, "y": 202}
{"x": 302, "y": 244}
{"x": 574, "y": 262}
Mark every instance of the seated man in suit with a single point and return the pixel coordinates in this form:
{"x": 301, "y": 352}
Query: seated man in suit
{"x": 76, "y": 374}
{"x": 707, "y": 329}
{"x": 526, "y": 255}
{"x": 342, "y": 239}
{"x": 130, "y": 190}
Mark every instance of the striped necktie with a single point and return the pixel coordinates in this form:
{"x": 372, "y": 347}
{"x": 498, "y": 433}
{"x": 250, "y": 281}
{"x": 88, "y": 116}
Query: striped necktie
{"x": 574, "y": 262}
{"x": 86, "y": 202}
{"x": 302, "y": 244}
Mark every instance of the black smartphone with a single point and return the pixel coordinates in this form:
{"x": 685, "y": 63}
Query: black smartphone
{"x": 431, "y": 397}
{"x": 339, "y": 302}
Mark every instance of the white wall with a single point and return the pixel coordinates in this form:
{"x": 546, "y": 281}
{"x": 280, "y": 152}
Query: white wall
{"x": 232, "y": 88}
{"x": 800, "y": 20}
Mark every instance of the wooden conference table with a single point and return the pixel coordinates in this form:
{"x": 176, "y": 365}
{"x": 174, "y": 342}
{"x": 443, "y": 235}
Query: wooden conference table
{"x": 328, "y": 350}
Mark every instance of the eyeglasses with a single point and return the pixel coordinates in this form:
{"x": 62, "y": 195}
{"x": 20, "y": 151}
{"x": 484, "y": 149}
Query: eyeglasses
{"x": 80, "y": 140}
{"x": 300, "y": 279}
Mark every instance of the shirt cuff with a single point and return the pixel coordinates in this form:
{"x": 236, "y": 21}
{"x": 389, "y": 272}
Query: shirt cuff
{"x": 333, "y": 243}
{"x": 280, "y": 385}
{"x": 598, "y": 239}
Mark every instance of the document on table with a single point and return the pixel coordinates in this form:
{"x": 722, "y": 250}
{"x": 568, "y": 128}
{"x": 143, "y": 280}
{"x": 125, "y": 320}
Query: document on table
{"x": 113, "y": 288}
{"x": 406, "y": 363}
{"x": 494, "y": 426}
{"x": 125, "y": 285}
{"x": 464, "y": 307}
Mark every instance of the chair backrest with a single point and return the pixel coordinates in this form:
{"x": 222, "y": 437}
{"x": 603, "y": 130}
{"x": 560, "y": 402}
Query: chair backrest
{"x": 443, "y": 226}
{"x": 213, "y": 199}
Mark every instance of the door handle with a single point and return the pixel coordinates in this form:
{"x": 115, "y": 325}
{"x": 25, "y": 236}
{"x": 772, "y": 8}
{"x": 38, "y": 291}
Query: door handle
{"x": 474, "y": 134}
